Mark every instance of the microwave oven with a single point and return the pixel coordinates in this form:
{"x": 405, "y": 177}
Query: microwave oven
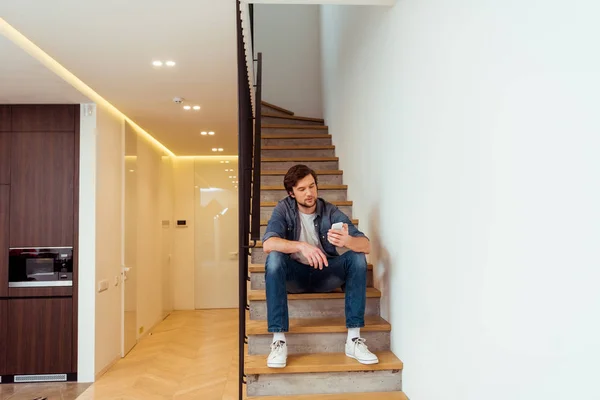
{"x": 40, "y": 266}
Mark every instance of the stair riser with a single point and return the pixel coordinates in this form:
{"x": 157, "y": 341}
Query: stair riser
{"x": 274, "y": 180}
{"x": 257, "y": 279}
{"x": 285, "y": 121}
{"x": 286, "y": 131}
{"x": 265, "y": 212}
{"x": 329, "y": 195}
{"x": 299, "y": 153}
{"x": 286, "y": 165}
{"x": 309, "y": 343}
{"x": 268, "y": 110}
{"x": 318, "y": 308}
{"x": 324, "y": 383}
{"x": 297, "y": 142}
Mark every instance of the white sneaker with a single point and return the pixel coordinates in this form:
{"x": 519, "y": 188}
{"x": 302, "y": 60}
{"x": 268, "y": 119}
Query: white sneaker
{"x": 278, "y": 356}
{"x": 358, "y": 350}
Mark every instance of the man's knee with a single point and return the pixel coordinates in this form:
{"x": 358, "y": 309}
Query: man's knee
{"x": 356, "y": 261}
{"x": 276, "y": 262}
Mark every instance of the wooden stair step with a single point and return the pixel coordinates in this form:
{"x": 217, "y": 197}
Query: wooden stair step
{"x": 296, "y": 136}
{"x": 320, "y": 363}
{"x": 298, "y": 158}
{"x": 347, "y": 203}
{"x": 339, "y": 396}
{"x": 299, "y": 147}
{"x": 283, "y": 110}
{"x": 261, "y": 295}
{"x": 321, "y": 172}
{"x": 265, "y": 222}
{"x": 293, "y": 117}
{"x": 260, "y": 268}
{"x": 320, "y": 325}
{"x": 299, "y": 127}
{"x": 321, "y": 187}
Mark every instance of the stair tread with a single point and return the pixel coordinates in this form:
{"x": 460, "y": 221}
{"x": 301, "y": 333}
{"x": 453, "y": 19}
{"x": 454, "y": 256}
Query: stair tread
{"x": 321, "y": 362}
{"x": 295, "y": 136}
{"x": 320, "y": 325}
{"x": 299, "y": 127}
{"x": 283, "y": 110}
{"x": 300, "y": 147}
{"x": 293, "y": 117}
{"x": 297, "y": 158}
{"x": 338, "y": 396}
{"x": 260, "y": 268}
{"x": 265, "y": 222}
{"x": 319, "y": 173}
{"x": 321, "y": 187}
{"x": 261, "y": 295}
{"x": 335, "y": 203}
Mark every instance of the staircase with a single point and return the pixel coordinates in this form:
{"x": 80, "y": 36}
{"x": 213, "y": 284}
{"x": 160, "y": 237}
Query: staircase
{"x": 317, "y": 368}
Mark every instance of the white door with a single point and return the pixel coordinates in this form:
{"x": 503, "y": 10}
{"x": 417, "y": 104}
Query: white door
{"x": 216, "y": 232}
{"x": 130, "y": 335}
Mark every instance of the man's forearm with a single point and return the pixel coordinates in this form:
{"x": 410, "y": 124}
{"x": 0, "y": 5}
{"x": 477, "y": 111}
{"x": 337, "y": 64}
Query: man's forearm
{"x": 359, "y": 244}
{"x": 281, "y": 245}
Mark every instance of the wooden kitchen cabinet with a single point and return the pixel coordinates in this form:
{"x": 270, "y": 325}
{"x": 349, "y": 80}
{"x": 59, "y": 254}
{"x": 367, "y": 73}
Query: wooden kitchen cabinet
{"x": 4, "y": 145}
{"x": 3, "y": 332}
{"x": 42, "y": 189}
{"x": 4, "y": 229}
{"x": 39, "y": 333}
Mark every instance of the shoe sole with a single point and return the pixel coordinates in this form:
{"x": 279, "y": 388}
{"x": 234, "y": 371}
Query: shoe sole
{"x": 278, "y": 365}
{"x": 365, "y": 362}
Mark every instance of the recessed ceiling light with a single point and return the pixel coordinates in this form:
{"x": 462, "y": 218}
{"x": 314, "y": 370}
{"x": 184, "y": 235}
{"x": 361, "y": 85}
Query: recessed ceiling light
{"x": 235, "y": 186}
{"x": 170, "y": 63}
{"x": 226, "y": 162}
{"x": 157, "y": 63}
{"x": 187, "y": 107}
{"x": 132, "y": 170}
{"x": 214, "y": 149}
{"x": 196, "y": 108}
{"x": 220, "y": 149}
{"x": 234, "y": 177}
{"x": 203, "y": 133}
{"x": 222, "y": 162}
{"x": 211, "y": 133}
{"x": 230, "y": 177}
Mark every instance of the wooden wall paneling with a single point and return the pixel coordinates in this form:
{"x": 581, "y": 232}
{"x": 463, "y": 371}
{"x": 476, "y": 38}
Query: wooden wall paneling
{"x": 3, "y": 332}
{"x": 4, "y": 241}
{"x": 41, "y": 201}
{"x": 43, "y": 118}
{"x": 5, "y": 118}
{"x": 39, "y": 333}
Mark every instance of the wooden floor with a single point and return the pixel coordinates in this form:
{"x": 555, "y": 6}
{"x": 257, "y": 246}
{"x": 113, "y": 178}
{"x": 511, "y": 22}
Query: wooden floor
{"x": 190, "y": 355}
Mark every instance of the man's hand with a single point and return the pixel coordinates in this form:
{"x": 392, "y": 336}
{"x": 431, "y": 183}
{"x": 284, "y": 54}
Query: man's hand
{"x": 314, "y": 255}
{"x": 339, "y": 238}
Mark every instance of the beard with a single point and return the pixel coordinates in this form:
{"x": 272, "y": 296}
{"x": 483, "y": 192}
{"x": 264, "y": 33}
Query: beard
{"x": 307, "y": 203}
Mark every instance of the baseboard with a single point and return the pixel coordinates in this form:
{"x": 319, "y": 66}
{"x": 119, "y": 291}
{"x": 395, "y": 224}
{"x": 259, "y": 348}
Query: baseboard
{"x": 105, "y": 369}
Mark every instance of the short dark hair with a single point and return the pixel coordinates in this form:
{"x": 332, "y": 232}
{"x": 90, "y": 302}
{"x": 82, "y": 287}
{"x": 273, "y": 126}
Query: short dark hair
{"x": 296, "y": 173}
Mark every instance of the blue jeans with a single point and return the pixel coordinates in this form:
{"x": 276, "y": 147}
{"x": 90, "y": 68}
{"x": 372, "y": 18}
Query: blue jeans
{"x": 284, "y": 274}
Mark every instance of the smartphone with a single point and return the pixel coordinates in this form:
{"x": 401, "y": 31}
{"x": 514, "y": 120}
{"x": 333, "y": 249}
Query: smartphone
{"x": 338, "y": 226}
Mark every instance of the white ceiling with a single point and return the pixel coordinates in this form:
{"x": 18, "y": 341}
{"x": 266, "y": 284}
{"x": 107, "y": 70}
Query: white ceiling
{"x": 23, "y": 80}
{"x": 110, "y": 44}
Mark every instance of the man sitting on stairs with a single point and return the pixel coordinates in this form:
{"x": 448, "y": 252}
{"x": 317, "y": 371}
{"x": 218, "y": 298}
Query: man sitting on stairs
{"x": 302, "y": 258}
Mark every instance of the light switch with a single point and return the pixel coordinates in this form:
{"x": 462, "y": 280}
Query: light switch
{"x": 102, "y": 286}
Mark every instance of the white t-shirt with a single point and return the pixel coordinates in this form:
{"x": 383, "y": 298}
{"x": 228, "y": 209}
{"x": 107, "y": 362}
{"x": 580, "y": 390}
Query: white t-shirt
{"x": 308, "y": 234}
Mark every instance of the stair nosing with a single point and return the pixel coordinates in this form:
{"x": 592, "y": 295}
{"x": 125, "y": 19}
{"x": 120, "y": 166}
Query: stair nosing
{"x": 293, "y": 117}
{"x": 256, "y": 364}
{"x": 261, "y": 295}
{"x": 321, "y": 187}
{"x": 296, "y": 136}
{"x": 319, "y": 173}
{"x": 347, "y": 203}
{"x": 297, "y": 126}
{"x": 300, "y": 147}
{"x": 372, "y": 324}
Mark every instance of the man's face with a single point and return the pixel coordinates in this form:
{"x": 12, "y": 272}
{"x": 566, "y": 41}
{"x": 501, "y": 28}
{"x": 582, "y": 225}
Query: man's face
{"x": 305, "y": 191}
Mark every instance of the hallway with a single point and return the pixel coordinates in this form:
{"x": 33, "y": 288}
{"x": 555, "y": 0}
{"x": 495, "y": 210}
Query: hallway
{"x": 190, "y": 355}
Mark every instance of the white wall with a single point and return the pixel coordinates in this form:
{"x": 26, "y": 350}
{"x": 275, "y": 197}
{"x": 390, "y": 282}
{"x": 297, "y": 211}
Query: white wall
{"x": 468, "y": 133}
{"x": 289, "y": 38}
{"x": 109, "y": 170}
{"x": 86, "y": 311}
{"x": 183, "y": 238}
